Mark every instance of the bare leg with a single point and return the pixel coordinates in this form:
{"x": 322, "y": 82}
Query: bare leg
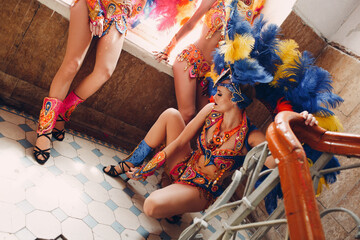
{"x": 79, "y": 39}
{"x": 78, "y": 43}
{"x": 201, "y": 100}
{"x": 185, "y": 89}
{"x": 167, "y": 128}
{"x": 172, "y": 200}
{"x": 107, "y": 55}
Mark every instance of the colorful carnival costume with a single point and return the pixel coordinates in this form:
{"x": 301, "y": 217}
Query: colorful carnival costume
{"x": 297, "y": 85}
{"x": 235, "y": 75}
{"x": 113, "y": 12}
{"x": 225, "y": 160}
{"x": 215, "y": 20}
{"x": 178, "y": 12}
{"x": 110, "y": 12}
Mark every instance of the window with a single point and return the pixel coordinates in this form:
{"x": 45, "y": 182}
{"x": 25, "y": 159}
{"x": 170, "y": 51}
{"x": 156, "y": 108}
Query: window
{"x": 143, "y": 39}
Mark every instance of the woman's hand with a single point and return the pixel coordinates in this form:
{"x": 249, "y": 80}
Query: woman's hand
{"x": 161, "y": 56}
{"x": 96, "y": 27}
{"x": 309, "y": 118}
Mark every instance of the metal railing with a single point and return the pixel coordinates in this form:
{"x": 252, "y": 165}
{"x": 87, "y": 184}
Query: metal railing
{"x": 302, "y": 216}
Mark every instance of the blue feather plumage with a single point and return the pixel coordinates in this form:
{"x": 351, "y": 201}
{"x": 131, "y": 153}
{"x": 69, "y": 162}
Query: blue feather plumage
{"x": 219, "y": 62}
{"x": 308, "y": 87}
{"x": 249, "y": 72}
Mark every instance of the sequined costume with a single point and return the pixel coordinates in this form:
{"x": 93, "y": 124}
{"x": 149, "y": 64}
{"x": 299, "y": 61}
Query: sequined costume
{"x": 113, "y": 12}
{"x": 215, "y": 18}
{"x": 196, "y": 64}
{"x": 224, "y": 160}
{"x": 250, "y": 9}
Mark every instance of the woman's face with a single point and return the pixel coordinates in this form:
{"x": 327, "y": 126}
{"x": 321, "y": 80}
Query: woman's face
{"x": 222, "y": 100}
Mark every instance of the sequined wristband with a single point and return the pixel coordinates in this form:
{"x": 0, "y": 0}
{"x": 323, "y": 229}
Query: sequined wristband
{"x": 96, "y": 20}
{"x": 170, "y": 47}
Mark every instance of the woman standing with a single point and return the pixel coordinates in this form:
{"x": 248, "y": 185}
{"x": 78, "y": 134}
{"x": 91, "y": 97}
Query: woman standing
{"x": 195, "y": 60}
{"x": 105, "y": 19}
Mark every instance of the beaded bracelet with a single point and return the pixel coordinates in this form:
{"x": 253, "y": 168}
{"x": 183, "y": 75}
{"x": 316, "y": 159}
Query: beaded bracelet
{"x": 170, "y": 46}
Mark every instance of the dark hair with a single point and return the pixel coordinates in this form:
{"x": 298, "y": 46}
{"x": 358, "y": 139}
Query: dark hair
{"x": 248, "y": 90}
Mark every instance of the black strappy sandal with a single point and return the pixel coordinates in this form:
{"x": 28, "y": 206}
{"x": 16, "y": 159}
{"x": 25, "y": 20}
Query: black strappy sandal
{"x": 45, "y": 153}
{"x": 174, "y": 219}
{"x": 59, "y": 134}
{"x": 113, "y": 173}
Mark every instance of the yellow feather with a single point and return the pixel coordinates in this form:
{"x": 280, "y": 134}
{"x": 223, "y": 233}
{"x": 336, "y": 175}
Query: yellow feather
{"x": 212, "y": 74}
{"x": 237, "y": 49}
{"x": 330, "y": 123}
{"x": 288, "y": 53}
{"x": 288, "y": 50}
{"x": 322, "y": 180}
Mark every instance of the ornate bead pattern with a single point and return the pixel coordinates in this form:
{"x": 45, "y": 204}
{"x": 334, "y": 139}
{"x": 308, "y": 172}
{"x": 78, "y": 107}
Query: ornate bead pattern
{"x": 112, "y": 12}
{"x": 48, "y": 114}
{"x": 215, "y": 18}
{"x": 223, "y": 159}
{"x": 196, "y": 64}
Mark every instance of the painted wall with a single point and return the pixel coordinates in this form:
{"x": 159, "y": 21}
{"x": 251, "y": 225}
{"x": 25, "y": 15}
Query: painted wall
{"x": 276, "y": 11}
{"x": 348, "y": 34}
{"x": 336, "y": 21}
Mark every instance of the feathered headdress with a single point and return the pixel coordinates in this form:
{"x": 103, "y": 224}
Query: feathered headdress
{"x": 298, "y": 85}
{"x": 232, "y": 60}
{"x": 297, "y": 80}
{"x": 292, "y": 82}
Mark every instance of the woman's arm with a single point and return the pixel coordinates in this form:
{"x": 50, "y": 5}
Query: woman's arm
{"x": 185, "y": 29}
{"x": 256, "y": 137}
{"x": 189, "y": 131}
{"x": 184, "y": 138}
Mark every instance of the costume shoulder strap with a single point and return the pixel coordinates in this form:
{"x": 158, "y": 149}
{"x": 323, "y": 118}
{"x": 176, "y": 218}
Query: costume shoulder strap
{"x": 212, "y": 118}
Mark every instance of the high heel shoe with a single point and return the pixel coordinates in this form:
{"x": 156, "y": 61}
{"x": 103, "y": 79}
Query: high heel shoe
{"x": 45, "y": 153}
{"x": 113, "y": 173}
{"x": 48, "y": 115}
{"x": 174, "y": 219}
{"x": 57, "y": 133}
{"x": 136, "y": 158}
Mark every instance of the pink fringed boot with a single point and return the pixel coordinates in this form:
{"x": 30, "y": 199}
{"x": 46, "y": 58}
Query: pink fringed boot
{"x": 69, "y": 105}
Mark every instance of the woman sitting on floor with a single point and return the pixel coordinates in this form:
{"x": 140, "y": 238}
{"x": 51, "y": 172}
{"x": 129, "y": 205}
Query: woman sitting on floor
{"x": 197, "y": 176}
{"x": 226, "y": 137}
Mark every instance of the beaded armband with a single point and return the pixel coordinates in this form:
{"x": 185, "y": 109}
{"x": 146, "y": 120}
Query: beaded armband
{"x": 170, "y": 46}
{"x": 148, "y": 169}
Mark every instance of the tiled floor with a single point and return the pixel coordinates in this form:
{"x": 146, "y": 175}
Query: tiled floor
{"x": 70, "y": 195}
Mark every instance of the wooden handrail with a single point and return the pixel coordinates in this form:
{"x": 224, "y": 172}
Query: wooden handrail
{"x": 283, "y": 137}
